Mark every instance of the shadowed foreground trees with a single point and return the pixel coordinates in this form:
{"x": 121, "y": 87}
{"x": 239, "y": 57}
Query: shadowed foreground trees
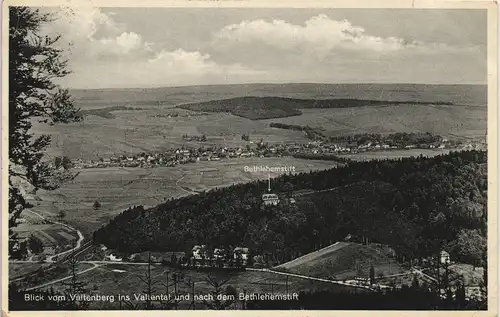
{"x": 35, "y": 63}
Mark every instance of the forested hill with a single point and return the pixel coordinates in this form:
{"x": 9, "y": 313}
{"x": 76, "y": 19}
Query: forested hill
{"x": 416, "y": 205}
{"x": 256, "y": 108}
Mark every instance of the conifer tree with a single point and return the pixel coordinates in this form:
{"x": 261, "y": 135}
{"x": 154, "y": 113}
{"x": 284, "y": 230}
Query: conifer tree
{"x": 35, "y": 63}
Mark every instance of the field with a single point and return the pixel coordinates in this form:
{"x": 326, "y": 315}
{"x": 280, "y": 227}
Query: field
{"x": 463, "y": 122}
{"x": 119, "y": 188}
{"x": 51, "y": 235}
{"x": 150, "y": 121}
{"x": 150, "y": 129}
{"x": 344, "y": 261}
{"x": 114, "y": 279}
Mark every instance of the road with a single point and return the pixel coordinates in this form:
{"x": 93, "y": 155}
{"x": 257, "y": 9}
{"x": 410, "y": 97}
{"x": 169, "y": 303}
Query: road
{"x": 78, "y": 242}
{"x": 423, "y": 274}
{"x": 63, "y": 279}
{"x": 346, "y": 283}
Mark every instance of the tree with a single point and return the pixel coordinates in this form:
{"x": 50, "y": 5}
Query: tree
{"x": 415, "y": 284}
{"x": 74, "y": 286}
{"x": 288, "y": 189}
{"x": 66, "y": 163}
{"x": 35, "y": 244}
{"x": 372, "y": 274}
{"x": 460, "y": 295}
{"x": 173, "y": 260}
{"x": 470, "y": 246}
{"x": 149, "y": 283}
{"x": 34, "y": 64}
{"x": 250, "y": 260}
{"x": 218, "y": 302}
{"x": 61, "y": 214}
{"x": 58, "y": 161}
{"x": 97, "y": 205}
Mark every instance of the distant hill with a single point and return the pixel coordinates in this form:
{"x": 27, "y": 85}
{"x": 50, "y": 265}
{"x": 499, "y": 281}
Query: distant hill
{"x": 456, "y": 94}
{"x": 257, "y": 108}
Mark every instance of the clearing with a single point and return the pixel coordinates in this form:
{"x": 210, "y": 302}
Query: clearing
{"x": 344, "y": 260}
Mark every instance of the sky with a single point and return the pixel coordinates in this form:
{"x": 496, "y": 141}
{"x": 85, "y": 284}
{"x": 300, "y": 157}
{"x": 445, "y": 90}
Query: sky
{"x": 157, "y": 47}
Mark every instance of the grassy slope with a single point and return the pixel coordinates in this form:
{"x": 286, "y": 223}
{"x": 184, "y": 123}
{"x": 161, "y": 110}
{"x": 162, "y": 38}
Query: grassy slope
{"x": 350, "y": 260}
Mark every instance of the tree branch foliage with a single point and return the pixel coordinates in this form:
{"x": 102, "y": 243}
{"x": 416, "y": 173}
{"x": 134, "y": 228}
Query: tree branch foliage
{"x": 35, "y": 63}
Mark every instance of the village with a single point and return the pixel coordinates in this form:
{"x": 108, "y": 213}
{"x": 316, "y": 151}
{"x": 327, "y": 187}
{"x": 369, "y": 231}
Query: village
{"x": 313, "y": 149}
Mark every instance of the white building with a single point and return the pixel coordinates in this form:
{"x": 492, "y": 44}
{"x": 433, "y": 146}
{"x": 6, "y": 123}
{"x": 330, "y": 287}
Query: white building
{"x": 444, "y": 257}
{"x": 270, "y": 199}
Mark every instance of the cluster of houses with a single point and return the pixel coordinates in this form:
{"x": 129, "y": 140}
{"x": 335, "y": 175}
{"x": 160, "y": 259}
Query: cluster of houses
{"x": 185, "y": 155}
{"x": 203, "y": 253}
{"x": 177, "y": 156}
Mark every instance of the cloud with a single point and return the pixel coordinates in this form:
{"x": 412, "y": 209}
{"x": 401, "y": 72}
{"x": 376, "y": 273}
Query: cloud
{"x": 103, "y": 53}
{"x": 90, "y": 35}
{"x": 106, "y": 53}
{"x": 165, "y": 68}
{"x": 319, "y": 35}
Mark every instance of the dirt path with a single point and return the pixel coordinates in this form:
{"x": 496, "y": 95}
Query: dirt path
{"x": 346, "y": 283}
{"x": 181, "y": 188}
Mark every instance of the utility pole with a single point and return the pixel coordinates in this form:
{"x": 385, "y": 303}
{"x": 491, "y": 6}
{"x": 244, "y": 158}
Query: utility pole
{"x": 438, "y": 278}
{"x": 244, "y": 304}
{"x": 286, "y": 285}
{"x": 175, "y": 290}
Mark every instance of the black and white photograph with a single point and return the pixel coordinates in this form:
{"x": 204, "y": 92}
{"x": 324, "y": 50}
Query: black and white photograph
{"x": 221, "y": 156}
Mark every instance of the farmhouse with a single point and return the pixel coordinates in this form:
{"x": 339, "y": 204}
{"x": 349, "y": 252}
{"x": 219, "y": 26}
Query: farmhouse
{"x": 198, "y": 252}
{"x": 242, "y": 253}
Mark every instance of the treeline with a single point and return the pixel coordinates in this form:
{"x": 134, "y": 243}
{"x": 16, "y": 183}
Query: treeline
{"x": 416, "y": 205}
{"x": 311, "y": 133}
{"x": 407, "y": 298}
{"x": 394, "y": 139}
{"x": 105, "y": 112}
{"x": 256, "y": 108}
{"x": 399, "y": 139}
{"x": 323, "y": 157}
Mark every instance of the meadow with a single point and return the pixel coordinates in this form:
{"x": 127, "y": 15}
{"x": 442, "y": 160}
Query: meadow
{"x": 50, "y": 234}
{"x": 347, "y": 261}
{"x": 119, "y": 188}
{"x": 114, "y": 279}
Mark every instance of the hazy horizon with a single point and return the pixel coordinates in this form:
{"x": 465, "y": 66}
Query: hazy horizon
{"x": 178, "y": 47}
{"x": 279, "y": 84}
